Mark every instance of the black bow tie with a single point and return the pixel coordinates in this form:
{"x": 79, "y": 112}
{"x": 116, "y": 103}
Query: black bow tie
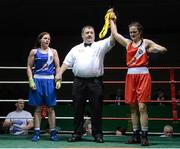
{"x": 87, "y": 44}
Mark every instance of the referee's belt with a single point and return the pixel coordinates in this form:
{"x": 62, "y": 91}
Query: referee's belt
{"x": 89, "y": 78}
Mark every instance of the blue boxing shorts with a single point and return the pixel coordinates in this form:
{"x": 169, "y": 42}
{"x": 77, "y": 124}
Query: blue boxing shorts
{"x": 45, "y": 93}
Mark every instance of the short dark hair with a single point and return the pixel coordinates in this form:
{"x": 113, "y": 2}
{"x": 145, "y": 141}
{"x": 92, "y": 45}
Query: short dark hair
{"x": 87, "y": 26}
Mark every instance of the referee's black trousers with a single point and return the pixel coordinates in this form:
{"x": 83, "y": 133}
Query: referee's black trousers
{"x": 91, "y": 89}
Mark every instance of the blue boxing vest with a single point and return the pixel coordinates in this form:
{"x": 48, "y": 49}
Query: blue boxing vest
{"x": 44, "y": 64}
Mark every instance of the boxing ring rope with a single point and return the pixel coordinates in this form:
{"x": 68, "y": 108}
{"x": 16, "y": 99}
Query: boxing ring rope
{"x": 172, "y": 83}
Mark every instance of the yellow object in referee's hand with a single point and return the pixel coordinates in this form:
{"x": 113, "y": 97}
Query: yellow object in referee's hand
{"x": 104, "y": 30}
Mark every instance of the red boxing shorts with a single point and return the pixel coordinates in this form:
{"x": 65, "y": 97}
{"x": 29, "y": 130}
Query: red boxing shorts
{"x": 138, "y": 88}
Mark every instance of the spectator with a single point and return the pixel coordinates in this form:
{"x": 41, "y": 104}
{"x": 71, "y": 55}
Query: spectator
{"x": 1, "y": 126}
{"x": 87, "y": 125}
{"x": 119, "y": 97}
{"x": 161, "y": 96}
{"x": 168, "y": 131}
{"x": 120, "y": 131}
{"x": 178, "y": 97}
{"x": 19, "y": 121}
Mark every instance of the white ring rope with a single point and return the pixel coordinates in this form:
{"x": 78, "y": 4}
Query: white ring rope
{"x": 13, "y": 67}
{"x": 57, "y": 117}
{"x": 110, "y": 101}
{"x": 108, "y": 68}
{"x": 26, "y": 82}
{"x": 14, "y": 100}
{"x": 3, "y": 117}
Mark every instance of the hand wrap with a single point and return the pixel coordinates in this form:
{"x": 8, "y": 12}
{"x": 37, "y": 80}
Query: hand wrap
{"x": 58, "y": 84}
{"x": 32, "y": 83}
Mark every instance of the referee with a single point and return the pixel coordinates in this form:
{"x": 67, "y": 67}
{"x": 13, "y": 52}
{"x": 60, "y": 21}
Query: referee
{"x": 86, "y": 60}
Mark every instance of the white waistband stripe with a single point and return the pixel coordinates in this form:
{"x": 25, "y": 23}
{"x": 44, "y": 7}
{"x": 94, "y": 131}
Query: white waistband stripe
{"x": 138, "y": 70}
{"x": 43, "y": 76}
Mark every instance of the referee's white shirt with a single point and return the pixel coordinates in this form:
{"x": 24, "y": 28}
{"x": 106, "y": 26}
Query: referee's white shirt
{"x": 88, "y": 61}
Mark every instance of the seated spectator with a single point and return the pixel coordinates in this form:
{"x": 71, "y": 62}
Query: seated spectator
{"x": 1, "y": 126}
{"x": 19, "y": 121}
{"x": 119, "y": 97}
{"x": 178, "y": 97}
{"x": 120, "y": 131}
{"x": 87, "y": 125}
{"x": 168, "y": 131}
{"x": 161, "y": 96}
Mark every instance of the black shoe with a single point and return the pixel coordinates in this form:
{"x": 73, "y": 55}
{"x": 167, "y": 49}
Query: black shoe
{"x": 74, "y": 138}
{"x": 144, "y": 139}
{"x": 99, "y": 139}
{"x": 134, "y": 140}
